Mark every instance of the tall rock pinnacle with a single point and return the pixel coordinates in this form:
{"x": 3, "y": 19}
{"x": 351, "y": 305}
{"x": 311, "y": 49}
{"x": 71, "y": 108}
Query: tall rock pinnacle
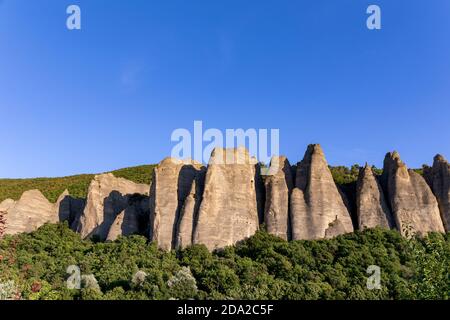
{"x": 171, "y": 185}
{"x": 317, "y": 208}
{"x": 371, "y": 207}
{"x": 412, "y": 202}
{"x": 228, "y": 212}
{"x": 279, "y": 185}
{"x": 439, "y": 179}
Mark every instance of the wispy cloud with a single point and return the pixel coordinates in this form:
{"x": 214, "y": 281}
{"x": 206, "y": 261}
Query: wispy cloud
{"x": 131, "y": 76}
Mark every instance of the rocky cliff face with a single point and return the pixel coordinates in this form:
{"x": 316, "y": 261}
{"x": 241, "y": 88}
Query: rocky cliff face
{"x": 108, "y": 196}
{"x": 69, "y": 209}
{"x": 317, "y": 208}
{"x": 279, "y": 185}
{"x": 189, "y": 213}
{"x": 220, "y": 205}
{"x": 372, "y": 209}
{"x": 229, "y": 211}
{"x": 438, "y": 178}
{"x": 171, "y": 185}
{"x": 414, "y": 207}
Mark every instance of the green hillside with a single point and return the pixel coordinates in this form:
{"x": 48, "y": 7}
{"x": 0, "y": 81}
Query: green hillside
{"x": 77, "y": 185}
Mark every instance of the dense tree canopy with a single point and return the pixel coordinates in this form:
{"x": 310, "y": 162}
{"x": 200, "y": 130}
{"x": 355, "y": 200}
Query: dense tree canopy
{"x": 34, "y": 266}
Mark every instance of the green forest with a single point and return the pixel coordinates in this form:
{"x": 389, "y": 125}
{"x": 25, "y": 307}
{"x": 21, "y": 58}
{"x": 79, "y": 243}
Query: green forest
{"x": 40, "y": 265}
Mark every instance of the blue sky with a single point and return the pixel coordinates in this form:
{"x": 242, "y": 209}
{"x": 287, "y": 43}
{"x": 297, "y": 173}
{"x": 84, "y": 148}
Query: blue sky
{"x": 110, "y": 95}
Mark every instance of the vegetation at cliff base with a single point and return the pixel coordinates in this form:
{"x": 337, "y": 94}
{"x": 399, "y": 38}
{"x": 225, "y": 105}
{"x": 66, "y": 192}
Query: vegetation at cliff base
{"x": 34, "y": 266}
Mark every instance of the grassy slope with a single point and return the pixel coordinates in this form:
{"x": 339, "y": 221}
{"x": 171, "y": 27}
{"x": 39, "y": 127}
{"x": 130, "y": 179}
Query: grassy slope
{"x": 77, "y": 185}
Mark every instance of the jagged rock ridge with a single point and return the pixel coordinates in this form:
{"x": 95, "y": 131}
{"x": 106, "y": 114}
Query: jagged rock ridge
{"x": 222, "y": 204}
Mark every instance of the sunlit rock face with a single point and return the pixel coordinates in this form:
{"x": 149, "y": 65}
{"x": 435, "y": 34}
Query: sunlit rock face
{"x": 438, "y": 178}
{"x": 372, "y": 208}
{"x": 414, "y": 207}
{"x": 228, "y": 212}
{"x": 317, "y": 208}
{"x": 279, "y": 184}
{"x": 171, "y": 185}
{"x": 107, "y": 197}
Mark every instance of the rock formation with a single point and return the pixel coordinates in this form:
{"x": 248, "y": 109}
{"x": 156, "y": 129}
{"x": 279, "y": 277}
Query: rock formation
{"x": 189, "y": 214}
{"x": 412, "y": 202}
{"x": 171, "y": 185}
{"x": 438, "y": 178}
{"x": 29, "y": 213}
{"x": 228, "y": 212}
{"x": 70, "y": 209}
{"x": 317, "y": 208}
{"x": 279, "y": 185}
{"x": 107, "y": 197}
{"x": 372, "y": 209}
{"x": 225, "y": 203}
{"x": 125, "y": 224}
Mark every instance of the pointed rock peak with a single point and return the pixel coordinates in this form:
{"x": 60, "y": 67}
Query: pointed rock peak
{"x": 394, "y": 158}
{"x": 33, "y": 194}
{"x": 238, "y": 155}
{"x": 314, "y": 149}
{"x": 439, "y": 158}
{"x": 63, "y": 195}
{"x": 367, "y": 170}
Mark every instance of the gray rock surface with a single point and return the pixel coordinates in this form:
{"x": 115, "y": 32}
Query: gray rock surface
{"x": 107, "y": 197}
{"x": 317, "y": 208}
{"x": 125, "y": 224}
{"x": 414, "y": 207}
{"x": 438, "y": 177}
{"x": 171, "y": 185}
{"x": 189, "y": 213}
{"x": 279, "y": 185}
{"x": 29, "y": 213}
{"x": 228, "y": 212}
{"x": 371, "y": 207}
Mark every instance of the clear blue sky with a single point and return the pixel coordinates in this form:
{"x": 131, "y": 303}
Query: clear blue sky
{"x": 110, "y": 95}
